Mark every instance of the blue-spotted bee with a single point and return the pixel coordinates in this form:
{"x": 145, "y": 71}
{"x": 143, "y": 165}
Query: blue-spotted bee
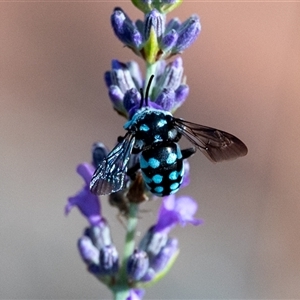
{"x": 154, "y": 134}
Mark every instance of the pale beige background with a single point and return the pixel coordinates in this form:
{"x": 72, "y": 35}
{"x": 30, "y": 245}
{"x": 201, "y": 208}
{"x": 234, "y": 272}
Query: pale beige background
{"x": 244, "y": 76}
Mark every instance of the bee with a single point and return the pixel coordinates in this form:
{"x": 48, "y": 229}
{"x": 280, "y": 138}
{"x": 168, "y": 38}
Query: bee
{"x": 154, "y": 134}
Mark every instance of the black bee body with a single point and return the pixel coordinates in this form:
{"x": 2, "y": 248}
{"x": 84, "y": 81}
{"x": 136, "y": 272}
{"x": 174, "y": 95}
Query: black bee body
{"x": 161, "y": 160}
{"x": 154, "y": 134}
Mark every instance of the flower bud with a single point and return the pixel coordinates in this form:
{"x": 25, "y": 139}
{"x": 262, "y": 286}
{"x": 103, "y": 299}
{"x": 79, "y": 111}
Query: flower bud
{"x": 88, "y": 252}
{"x": 125, "y": 29}
{"x": 132, "y": 98}
{"x": 181, "y": 94}
{"x": 170, "y": 78}
{"x": 153, "y": 241}
{"x": 166, "y": 99}
{"x": 159, "y": 262}
{"x": 154, "y": 20}
{"x": 150, "y": 274}
{"x": 187, "y": 33}
{"x": 173, "y": 24}
{"x": 135, "y": 72}
{"x": 107, "y": 79}
{"x": 109, "y": 260}
{"x": 121, "y": 76}
{"x": 137, "y": 265}
{"x": 99, "y": 235}
{"x": 169, "y": 40}
{"x": 99, "y": 152}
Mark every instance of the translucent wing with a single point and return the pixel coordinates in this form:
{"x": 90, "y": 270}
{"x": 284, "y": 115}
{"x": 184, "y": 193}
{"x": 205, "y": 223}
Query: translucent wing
{"x": 215, "y": 144}
{"x": 110, "y": 174}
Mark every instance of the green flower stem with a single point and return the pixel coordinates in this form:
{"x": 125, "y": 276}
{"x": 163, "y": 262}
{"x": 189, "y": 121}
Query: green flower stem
{"x": 121, "y": 289}
{"x": 121, "y": 294}
{"x": 130, "y": 235}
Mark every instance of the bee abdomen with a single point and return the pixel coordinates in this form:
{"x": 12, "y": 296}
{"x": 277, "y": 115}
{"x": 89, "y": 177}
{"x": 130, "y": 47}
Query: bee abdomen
{"x": 162, "y": 169}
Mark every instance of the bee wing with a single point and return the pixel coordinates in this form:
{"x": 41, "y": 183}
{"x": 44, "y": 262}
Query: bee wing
{"x": 110, "y": 174}
{"x": 215, "y": 144}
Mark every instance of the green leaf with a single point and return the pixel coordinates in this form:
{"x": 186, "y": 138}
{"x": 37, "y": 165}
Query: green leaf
{"x": 151, "y": 48}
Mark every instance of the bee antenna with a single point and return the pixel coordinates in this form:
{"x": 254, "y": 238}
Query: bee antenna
{"x": 148, "y": 89}
{"x": 142, "y": 97}
{"x": 145, "y": 99}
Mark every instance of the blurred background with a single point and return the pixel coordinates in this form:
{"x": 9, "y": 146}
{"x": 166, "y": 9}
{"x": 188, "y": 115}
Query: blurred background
{"x": 244, "y": 78}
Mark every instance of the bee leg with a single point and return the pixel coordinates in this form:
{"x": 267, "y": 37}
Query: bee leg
{"x": 131, "y": 172}
{"x": 186, "y": 153}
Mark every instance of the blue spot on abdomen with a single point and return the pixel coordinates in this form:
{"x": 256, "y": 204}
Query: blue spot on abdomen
{"x": 171, "y": 158}
{"x": 154, "y": 163}
{"x": 174, "y": 186}
{"x": 173, "y": 175}
{"x": 159, "y": 189}
{"x": 157, "y": 178}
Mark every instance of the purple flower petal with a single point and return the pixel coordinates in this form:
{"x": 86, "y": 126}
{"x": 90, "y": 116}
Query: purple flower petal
{"x": 86, "y": 171}
{"x": 175, "y": 211}
{"x": 87, "y": 203}
{"x": 186, "y": 208}
{"x": 136, "y": 294}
